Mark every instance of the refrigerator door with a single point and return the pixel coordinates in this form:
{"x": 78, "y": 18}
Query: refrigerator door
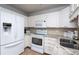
{"x": 12, "y": 27}
{"x": 8, "y": 27}
{"x": 13, "y": 49}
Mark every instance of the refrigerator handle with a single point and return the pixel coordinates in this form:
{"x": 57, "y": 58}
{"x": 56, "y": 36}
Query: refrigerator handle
{"x": 11, "y": 45}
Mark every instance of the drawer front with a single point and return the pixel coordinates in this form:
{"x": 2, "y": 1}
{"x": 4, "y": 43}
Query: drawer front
{"x": 51, "y": 40}
{"x": 51, "y": 44}
{"x": 12, "y": 49}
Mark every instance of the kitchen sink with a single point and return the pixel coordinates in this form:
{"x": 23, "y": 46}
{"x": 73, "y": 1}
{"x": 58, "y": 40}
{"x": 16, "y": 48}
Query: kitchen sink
{"x": 69, "y": 43}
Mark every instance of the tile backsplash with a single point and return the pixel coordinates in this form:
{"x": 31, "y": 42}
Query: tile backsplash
{"x": 54, "y": 31}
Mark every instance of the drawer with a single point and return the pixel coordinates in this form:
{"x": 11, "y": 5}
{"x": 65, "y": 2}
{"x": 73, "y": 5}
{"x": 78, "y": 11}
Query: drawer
{"x": 12, "y": 49}
{"x": 51, "y": 40}
{"x": 51, "y": 44}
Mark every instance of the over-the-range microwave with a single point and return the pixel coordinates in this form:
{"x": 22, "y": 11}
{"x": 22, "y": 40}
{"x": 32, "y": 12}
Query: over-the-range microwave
{"x": 40, "y": 24}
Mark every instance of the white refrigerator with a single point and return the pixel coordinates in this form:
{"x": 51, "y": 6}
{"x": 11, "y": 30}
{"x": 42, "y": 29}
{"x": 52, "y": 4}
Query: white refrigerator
{"x": 11, "y": 32}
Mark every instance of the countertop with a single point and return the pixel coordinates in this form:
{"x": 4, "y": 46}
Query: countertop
{"x": 70, "y": 51}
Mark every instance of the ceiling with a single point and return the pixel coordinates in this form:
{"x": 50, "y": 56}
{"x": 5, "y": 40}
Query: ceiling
{"x": 32, "y": 8}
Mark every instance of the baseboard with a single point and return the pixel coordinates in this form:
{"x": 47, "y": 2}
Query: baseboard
{"x": 46, "y": 53}
{"x": 21, "y": 53}
{"x": 27, "y": 47}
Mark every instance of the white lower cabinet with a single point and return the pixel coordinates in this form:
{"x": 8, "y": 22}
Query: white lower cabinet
{"x": 51, "y": 46}
{"x": 62, "y": 51}
{"x": 51, "y": 50}
{"x": 28, "y": 40}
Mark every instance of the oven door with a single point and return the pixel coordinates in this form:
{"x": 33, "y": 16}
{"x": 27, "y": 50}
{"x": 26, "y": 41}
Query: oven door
{"x": 37, "y": 41}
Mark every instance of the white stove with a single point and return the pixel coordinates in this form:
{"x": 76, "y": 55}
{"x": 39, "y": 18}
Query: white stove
{"x": 38, "y": 41}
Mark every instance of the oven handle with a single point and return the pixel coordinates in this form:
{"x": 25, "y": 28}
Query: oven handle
{"x": 11, "y": 45}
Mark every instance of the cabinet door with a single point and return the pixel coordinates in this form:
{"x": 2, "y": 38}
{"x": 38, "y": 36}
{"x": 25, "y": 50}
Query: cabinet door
{"x": 64, "y": 18}
{"x": 73, "y": 7}
{"x": 74, "y": 13}
{"x": 52, "y": 19}
{"x": 51, "y": 49}
{"x": 51, "y": 46}
{"x": 19, "y": 27}
{"x": 31, "y": 21}
{"x": 62, "y": 51}
{"x": 27, "y": 40}
{"x": 61, "y": 18}
{"x": 25, "y": 21}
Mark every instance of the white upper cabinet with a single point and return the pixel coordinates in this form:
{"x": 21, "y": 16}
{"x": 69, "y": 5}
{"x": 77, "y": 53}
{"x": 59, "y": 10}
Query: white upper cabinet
{"x": 51, "y": 45}
{"x": 64, "y": 19}
{"x": 31, "y": 21}
{"x": 74, "y": 11}
{"x": 25, "y": 21}
{"x": 52, "y": 19}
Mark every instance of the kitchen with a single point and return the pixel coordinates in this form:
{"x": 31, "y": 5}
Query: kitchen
{"x": 39, "y": 29}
